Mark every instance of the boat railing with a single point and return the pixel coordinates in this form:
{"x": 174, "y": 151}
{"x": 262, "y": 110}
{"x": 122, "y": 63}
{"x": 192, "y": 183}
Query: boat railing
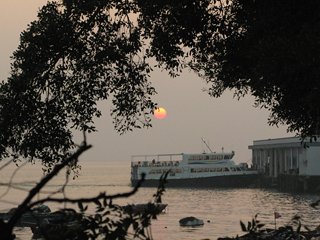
{"x": 155, "y": 164}
{"x": 159, "y": 160}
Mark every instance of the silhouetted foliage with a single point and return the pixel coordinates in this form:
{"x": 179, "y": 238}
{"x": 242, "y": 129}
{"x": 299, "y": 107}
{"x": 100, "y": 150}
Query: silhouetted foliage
{"x": 68, "y": 60}
{"x": 253, "y": 226}
{"x": 269, "y": 49}
{"x": 80, "y": 52}
{"x": 293, "y": 230}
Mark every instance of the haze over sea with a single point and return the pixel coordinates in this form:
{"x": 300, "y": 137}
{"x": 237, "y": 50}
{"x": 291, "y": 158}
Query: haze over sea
{"x": 221, "y": 209}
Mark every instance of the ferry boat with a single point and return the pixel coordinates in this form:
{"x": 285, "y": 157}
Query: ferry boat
{"x": 204, "y": 170}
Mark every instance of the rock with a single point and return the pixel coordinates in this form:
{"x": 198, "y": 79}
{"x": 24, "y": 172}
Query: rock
{"x": 190, "y": 222}
{"x": 145, "y": 207}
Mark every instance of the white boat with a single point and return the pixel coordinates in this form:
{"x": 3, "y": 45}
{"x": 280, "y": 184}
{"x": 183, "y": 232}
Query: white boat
{"x": 200, "y": 170}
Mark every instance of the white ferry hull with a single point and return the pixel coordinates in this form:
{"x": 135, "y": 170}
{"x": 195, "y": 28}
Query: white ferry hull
{"x": 226, "y": 181}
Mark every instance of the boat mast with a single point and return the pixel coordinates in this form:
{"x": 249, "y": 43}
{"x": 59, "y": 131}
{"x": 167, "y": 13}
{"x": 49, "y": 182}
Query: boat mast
{"x": 206, "y": 145}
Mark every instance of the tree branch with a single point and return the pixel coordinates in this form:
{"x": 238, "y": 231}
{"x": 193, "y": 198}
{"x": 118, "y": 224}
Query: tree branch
{"x": 101, "y": 196}
{"x": 24, "y": 205}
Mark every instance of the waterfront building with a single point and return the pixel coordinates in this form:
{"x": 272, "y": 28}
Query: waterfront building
{"x": 288, "y": 158}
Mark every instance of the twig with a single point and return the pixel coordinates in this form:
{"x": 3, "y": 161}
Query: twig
{"x": 24, "y": 205}
{"x": 11, "y": 179}
{"x": 101, "y": 196}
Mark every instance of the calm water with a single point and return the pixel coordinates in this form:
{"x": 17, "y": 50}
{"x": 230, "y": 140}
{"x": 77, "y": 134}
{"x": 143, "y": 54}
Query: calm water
{"x": 220, "y": 209}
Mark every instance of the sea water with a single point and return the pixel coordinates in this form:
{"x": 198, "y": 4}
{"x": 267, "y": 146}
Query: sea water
{"x": 220, "y": 209}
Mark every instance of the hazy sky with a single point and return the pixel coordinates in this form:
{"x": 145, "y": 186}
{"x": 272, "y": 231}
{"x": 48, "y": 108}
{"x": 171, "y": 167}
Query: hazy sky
{"x": 192, "y": 114}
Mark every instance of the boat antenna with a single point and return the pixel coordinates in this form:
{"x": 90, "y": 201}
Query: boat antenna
{"x": 206, "y": 145}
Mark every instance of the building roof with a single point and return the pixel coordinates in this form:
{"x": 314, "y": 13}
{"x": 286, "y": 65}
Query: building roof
{"x": 283, "y": 143}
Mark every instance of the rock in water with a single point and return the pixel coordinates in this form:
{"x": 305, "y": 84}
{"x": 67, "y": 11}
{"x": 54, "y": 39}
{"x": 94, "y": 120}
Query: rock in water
{"x": 190, "y": 222}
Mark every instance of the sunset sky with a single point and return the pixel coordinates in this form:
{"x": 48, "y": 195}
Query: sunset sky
{"x": 192, "y": 114}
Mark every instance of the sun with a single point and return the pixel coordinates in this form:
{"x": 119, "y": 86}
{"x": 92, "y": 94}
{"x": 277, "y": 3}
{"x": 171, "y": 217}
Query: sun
{"x": 160, "y": 113}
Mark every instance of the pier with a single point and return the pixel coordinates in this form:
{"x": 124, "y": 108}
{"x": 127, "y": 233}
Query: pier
{"x": 288, "y": 164}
